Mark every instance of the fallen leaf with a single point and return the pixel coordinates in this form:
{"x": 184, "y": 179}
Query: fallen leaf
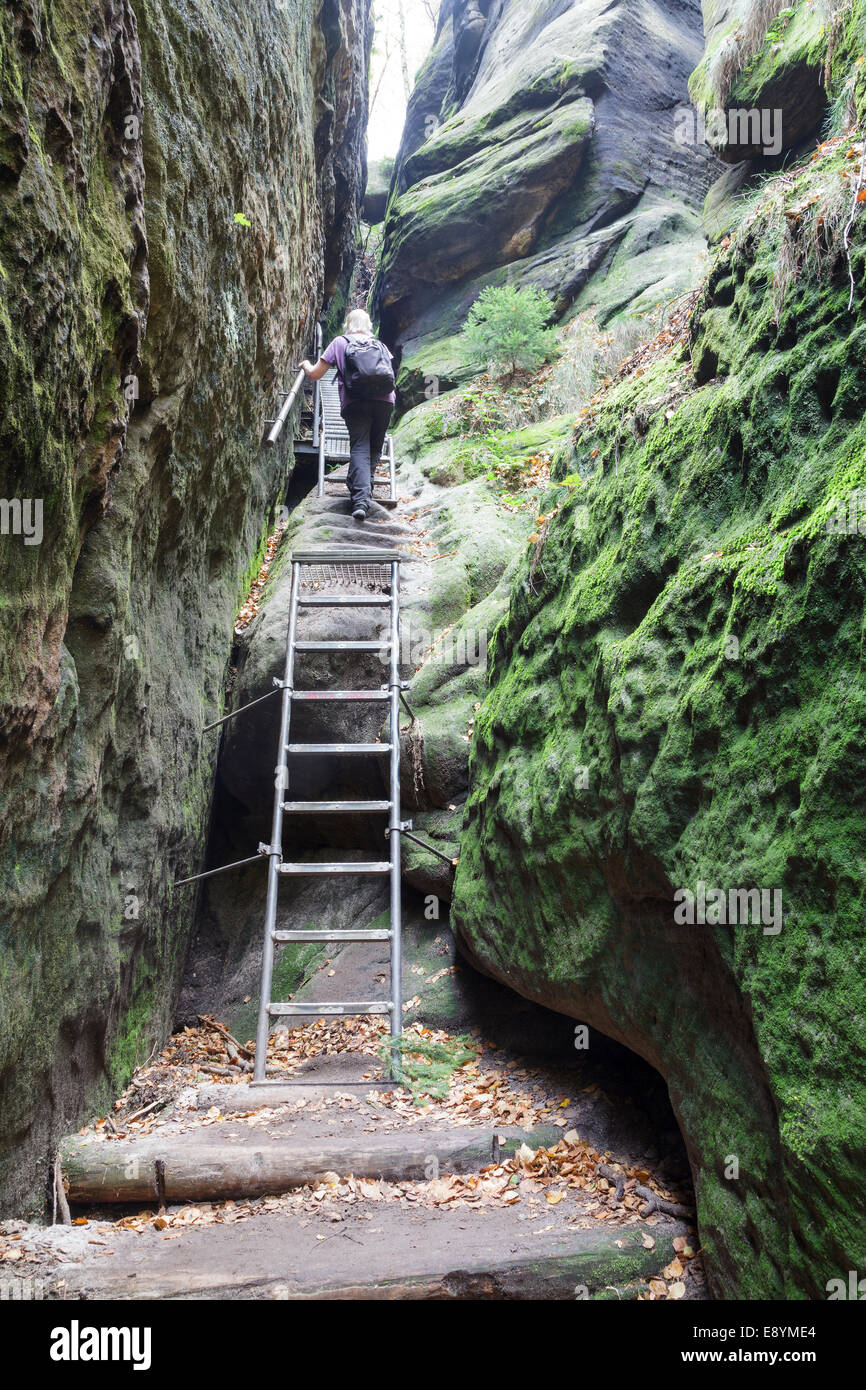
{"x": 648, "y": 1242}
{"x": 676, "y": 1290}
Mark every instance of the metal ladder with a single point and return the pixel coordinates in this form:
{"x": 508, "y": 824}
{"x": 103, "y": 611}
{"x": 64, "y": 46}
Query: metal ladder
{"x": 332, "y": 437}
{"x": 317, "y": 577}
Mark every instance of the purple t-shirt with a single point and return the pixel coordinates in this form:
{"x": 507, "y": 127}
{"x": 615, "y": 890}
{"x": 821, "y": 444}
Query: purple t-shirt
{"x": 335, "y": 354}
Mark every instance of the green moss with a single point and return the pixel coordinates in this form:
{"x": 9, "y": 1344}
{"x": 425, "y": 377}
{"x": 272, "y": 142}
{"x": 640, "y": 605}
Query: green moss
{"x": 627, "y": 746}
{"x": 294, "y": 965}
{"x": 795, "y": 39}
{"x": 135, "y": 1037}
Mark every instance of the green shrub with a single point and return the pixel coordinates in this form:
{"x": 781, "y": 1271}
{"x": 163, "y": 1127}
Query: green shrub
{"x": 427, "y": 1065}
{"x": 506, "y": 328}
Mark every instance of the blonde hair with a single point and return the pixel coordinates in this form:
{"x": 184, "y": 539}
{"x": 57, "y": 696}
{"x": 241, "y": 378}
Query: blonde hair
{"x": 358, "y": 321}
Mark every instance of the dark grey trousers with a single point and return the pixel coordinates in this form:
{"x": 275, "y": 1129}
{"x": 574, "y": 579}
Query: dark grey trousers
{"x": 367, "y": 423}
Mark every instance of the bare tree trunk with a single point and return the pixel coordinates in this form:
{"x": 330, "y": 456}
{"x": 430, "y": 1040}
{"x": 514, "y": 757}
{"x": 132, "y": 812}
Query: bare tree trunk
{"x": 382, "y": 75}
{"x": 404, "y": 57}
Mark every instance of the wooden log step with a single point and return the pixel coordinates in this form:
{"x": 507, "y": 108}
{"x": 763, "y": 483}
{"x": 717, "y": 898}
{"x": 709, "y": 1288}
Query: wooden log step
{"x": 198, "y": 1166}
{"x": 441, "y": 1255}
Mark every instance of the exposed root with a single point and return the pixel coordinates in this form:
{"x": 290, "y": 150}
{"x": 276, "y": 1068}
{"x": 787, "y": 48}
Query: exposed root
{"x": 653, "y": 1202}
{"x": 618, "y": 1179}
{"x": 656, "y": 1203}
{"x": 61, "y": 1205}
{"x": 416, "y": 757}
{"x": 846, "y": 235}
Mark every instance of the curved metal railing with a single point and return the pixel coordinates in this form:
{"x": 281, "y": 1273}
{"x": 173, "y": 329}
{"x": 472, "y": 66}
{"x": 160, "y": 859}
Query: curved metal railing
{"x": 291, "y": 396}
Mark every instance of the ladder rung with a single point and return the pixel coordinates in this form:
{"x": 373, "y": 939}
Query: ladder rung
{"x": 338, "y": 476}
{"x": 359, "y": 935}
{"x": 358, "y": 601}
{"x": 326, "y": 1007}
{"x": 366, "y": 866}
{"x": 323, "y": 807}
{"x": 338, "y": 748}
{"x": 378, "y": 695}
{"x": 343, "y": 646}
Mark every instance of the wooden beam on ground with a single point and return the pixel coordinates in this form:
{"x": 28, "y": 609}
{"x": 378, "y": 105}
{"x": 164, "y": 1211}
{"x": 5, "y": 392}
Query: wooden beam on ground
{"x": 196, "y": 1166}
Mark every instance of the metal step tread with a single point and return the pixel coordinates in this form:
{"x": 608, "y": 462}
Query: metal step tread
{"x": 326, "y": 1007}
{"x": 338, "y": 748}
{"x": 311, "y": 696}
{"x": 328, "y": 646}
{"x": 358, "y": 934}
{"x": 365, "y": 866}
{"x": 327, "y": 807}
{"x": 335, "y": 601}
{"x": 341, "y": 475}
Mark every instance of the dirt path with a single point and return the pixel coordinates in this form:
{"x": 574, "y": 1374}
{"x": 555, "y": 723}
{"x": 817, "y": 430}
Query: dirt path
{"x": 529, "y": 1222}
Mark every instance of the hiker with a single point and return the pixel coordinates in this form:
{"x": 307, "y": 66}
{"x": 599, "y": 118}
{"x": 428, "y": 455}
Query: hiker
{"x": 365, "y": 377}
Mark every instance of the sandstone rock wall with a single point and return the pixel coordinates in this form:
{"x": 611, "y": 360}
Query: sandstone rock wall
{"x": 676, "y": 700}
{"x": 179, "y": 186}
{"x": 540, "y": 147}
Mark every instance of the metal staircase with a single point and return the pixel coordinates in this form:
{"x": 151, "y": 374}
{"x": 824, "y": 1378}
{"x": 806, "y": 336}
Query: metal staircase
{"x": 337, "y": 577}
{"x": 322, "y": 579}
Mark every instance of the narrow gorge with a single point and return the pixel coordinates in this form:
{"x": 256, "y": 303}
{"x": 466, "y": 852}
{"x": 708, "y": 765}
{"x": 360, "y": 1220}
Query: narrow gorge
{"x": 632, "y": 602}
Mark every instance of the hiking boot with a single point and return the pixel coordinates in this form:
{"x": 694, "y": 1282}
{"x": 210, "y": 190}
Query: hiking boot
{"x": 359, "y": 513}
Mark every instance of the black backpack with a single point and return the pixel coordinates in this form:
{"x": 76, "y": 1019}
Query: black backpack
{"x": 368, "y": 371}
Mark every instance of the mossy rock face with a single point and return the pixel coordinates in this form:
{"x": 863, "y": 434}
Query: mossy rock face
{"x": 676, "y": 700}
{"x": 775, "y": 68}
{"x": 535, "y": 166}
{"x": 376, "y": 193}
{"x": 144, "y": 332}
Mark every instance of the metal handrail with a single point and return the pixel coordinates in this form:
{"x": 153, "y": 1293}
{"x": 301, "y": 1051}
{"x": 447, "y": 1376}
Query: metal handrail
{"x": 291, "y": 397}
